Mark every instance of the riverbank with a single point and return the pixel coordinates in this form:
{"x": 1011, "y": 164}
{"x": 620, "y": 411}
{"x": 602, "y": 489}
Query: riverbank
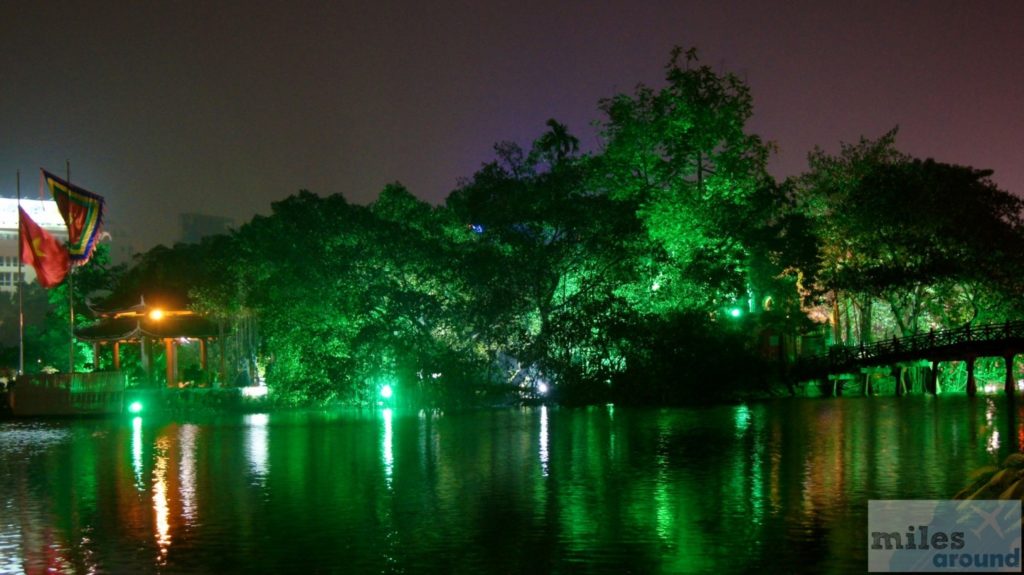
{"x": 197, "y": 399}
{"x": 184, "y": 400}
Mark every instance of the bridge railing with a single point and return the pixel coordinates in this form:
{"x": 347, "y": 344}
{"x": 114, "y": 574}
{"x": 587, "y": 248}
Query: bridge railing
{"x": 919, "y": 344}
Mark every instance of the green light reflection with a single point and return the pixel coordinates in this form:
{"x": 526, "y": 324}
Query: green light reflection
{"x": 387, "y": 449}
{"x": 742, "y": 419}
{"x": 137, "y": 452}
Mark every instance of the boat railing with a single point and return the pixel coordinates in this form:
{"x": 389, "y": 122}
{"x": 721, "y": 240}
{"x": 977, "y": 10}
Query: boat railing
{"x": 68, "y": 393}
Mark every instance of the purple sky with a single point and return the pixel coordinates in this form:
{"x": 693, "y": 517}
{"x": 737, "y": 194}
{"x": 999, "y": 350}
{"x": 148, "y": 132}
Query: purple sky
{"x": 191, "y": 107}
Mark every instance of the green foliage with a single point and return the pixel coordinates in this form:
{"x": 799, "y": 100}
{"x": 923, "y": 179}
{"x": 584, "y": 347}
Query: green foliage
{"x": 681, "y": 158}
{"x": 549, "y": 261}
{"x": 608, "y": 275}
{"x": 48, "y": 344}
{"x": 906, "y": 243}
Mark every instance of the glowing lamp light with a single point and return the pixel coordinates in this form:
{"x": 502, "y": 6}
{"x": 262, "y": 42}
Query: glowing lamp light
{"x": 735, "y": 312}
{"x": 254, "y": 391}
{"x": 156, "y": 314}
{"x": 542, "y": 388}
{"x": 135, "y": 407}
{"x": 386, "y": 392}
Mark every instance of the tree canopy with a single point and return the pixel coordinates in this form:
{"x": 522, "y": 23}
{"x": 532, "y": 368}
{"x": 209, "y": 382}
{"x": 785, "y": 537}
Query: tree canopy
{"x": 660, "y": 261}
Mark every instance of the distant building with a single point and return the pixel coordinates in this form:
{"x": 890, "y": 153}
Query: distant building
{"x": 195, "y": 227}
{"x": 44, "y": 213}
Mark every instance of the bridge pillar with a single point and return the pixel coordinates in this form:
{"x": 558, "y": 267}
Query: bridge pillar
{"x": 972, "y": 385}
{"x": 897, "y": 372}
{"x": 172, "y": 362}
{"x": 933, "y": 378}
{"x": 1010, "y": 385}
{"x": 869, "y": 386}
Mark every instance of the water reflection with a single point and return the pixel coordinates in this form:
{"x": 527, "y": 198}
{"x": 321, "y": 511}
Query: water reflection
{"x": 387, "y": 448}
{"x": 748, "y": 463}
{"x": 161, "y": 512}
{"x": 990, "y": 415}
{"x": 542, "y": 441}
{"x": 742, "y": 418}
{"x": 613, "y": 452}
{"x": 256, "y": 444}
{"x": 664, "y": 516}
{"x": 723, "y": 489}
{"x": 187, "y": 469}
{"x": 137, "y": 452}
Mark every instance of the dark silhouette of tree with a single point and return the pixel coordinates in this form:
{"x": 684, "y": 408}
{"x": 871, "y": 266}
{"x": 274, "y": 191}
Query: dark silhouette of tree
{"x": 907, "y": 234}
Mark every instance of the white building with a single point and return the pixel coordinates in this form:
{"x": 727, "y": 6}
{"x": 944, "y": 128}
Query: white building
{"x": 44, "y": 213}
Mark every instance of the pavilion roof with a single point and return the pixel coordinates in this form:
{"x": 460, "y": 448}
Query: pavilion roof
{"x": 134, "y": 327}
{"x": 141, "y": 307}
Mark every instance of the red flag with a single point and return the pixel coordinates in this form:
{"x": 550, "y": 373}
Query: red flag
{"x": 43, "y": 252}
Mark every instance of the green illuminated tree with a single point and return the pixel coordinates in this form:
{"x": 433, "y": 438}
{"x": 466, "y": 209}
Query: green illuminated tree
{"x": 682, "y": 158}
{"x": 48, "y": 340}
{"x": 670, "y": 249}
{"x": 549, "y": 256}
{"x": 421, "y": 321}
{"x": 294, "y": 266}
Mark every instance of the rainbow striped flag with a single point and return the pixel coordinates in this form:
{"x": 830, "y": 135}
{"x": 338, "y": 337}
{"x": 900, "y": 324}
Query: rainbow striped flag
{"x": 82, "y": 211}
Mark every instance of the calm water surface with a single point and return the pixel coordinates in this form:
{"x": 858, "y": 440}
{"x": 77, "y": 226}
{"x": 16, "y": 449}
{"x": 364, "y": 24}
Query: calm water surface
{"x": 779, "y": 487}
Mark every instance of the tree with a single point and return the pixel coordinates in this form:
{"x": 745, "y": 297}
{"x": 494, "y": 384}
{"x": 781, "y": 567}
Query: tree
{"x": 681, "y": 156}
{"x": 549, "y": 256}
{"x": 48, "y": 342}
{"x": 917, "y": 237}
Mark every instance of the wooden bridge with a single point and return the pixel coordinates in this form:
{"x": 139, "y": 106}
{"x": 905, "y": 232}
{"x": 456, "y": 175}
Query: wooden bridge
{"x": 966, "y": 344}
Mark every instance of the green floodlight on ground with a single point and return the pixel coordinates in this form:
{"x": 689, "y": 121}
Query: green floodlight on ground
{"x": 386, "y": 392}
{"x": 135, "y": 407}
{"x": 735, "y": 312}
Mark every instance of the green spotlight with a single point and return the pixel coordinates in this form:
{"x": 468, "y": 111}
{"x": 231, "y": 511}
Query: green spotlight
{"x": 135, "y": 407}
{"x": 386, "y": 392}
{"x": 735, "y": 312}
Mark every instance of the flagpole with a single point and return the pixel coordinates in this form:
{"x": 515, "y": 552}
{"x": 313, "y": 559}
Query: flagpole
{"x": 71, "y": 296}
{"x": 20, "y": 280}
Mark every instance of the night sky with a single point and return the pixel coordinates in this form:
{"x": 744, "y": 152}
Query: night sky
{"x": 194, "y": 107}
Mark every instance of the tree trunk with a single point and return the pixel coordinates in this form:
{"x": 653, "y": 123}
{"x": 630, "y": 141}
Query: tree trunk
{"x": 866, "y": 320}
{"x": 846, "y": 318}
{"x": 835, "y": 318}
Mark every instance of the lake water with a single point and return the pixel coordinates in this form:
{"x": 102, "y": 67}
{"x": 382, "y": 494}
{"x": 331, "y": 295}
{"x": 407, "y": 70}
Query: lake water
{"x": 780, "y": 486}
